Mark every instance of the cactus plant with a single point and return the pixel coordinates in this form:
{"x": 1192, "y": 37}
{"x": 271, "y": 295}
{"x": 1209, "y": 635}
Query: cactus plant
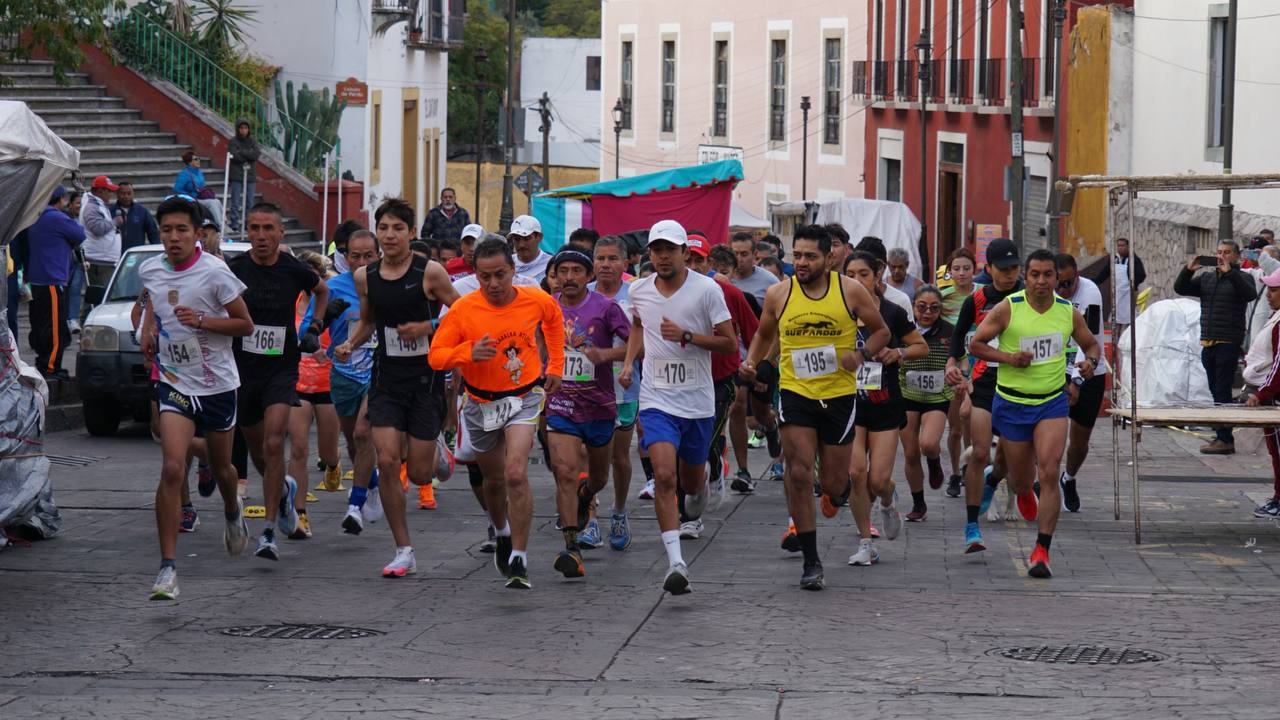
{"x": 308, "y": 124}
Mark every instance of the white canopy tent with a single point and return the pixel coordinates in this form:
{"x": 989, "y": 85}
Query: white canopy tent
{"x": 892, "y": 222}
{"x": 32, "y": 162}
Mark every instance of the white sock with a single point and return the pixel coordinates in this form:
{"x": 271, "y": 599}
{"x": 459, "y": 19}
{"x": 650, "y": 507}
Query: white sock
{"x": 519, "y": 554}
{"x": 1068, "y": 477}
{"x": 404, "y": 548}
{"x": 671, "y": 541}
{"x": 504, "y": 531}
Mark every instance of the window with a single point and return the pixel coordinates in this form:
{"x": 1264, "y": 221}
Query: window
{"x": 831, "y": 88}
{"x": 720, "y": 117}
{"x": 982, "y": 47}
{"x": 1217, "y": 87}
{"x": 778, "y": 92}
{"x": 593, "y": 72}
{"x": 903, "y": 81}
{"x": 1050, "y": 50}
{"x": 953, "y": 48}
{"x": 892, "y": 180}
{"x": 668, "y": 86}
{"x": 627, "y": 58}
{"x": 375, "y": 155}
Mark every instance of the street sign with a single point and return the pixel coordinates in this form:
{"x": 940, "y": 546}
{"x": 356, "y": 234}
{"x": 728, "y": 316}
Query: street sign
{"x": 530, "y": 181}
{"x": 353, "y": 91}
{"x": 716, "y": 153}
{"x": 1016, "y": 148}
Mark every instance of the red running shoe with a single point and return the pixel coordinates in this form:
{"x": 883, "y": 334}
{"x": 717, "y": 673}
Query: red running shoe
{"x": 1038, "y": 565}
{"x": 1029, "y": 506}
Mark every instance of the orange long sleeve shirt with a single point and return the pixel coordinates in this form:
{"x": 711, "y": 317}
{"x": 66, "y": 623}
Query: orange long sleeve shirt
{"x": 513, "y": 327}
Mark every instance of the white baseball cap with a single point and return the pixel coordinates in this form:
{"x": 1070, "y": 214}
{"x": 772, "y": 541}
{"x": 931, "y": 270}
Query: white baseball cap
{"x": 669, "y": 230}
{"x": 525, "y": 225}
{"x": 473, "y": 231}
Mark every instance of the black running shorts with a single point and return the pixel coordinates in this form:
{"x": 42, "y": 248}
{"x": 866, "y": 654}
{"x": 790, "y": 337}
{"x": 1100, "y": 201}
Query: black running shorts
{"x": 833, "y": 418}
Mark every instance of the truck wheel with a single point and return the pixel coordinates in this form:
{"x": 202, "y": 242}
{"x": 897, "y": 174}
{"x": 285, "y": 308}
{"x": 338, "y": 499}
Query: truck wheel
{"x": 101, "y": 417}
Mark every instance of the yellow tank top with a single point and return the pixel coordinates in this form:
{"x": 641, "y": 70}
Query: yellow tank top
{"x": 812, "y": 334}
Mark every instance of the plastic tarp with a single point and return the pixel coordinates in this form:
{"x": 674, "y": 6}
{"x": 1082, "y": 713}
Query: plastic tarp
{"x": 892, "y": 222}
{"x": 1168, "y": 357}
{"x": 740, "y": 217}
{"x": 26, "y": 140}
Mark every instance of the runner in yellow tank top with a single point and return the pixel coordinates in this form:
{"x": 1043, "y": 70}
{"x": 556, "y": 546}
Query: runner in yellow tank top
{"x": 1030, "y": 408}
{"x": 814, "y": 319}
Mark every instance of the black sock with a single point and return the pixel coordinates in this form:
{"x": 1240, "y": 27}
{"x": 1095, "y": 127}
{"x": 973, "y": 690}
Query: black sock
{"x": 971, "y": 513}
{"x": 1044, "y": 540}
{"x": 809, "y": 545}
{"x": 648, "y": 468}
{"x": 169, "y": 563}
{"x": 570, "y": 537}
{"x": 302, "y": 511}
{"x": 917, "y": 498}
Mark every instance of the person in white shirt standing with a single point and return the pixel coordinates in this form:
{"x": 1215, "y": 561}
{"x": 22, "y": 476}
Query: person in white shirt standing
{"x": 526, "y": 237}
{"x": 678, "y": 319}
{"x": 1085, "y": 395}
{"x": 101, "y": 232}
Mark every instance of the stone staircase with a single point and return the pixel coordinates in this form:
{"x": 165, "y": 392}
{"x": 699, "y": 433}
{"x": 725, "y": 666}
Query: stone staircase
{"x": 113, "y": 139}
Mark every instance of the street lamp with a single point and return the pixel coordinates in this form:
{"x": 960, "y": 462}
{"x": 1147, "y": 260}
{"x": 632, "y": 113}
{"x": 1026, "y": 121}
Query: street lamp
{"x": 804, "y": 149}
{"x": 924, "y": 50}
{"x": 480, "y": 57}
{"x": 617, "y": 137}
{"x": 508, "y": 211}
{"x": 1059, "y": 18}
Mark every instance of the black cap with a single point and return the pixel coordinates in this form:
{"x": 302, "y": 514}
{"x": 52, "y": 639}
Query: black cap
{"x": 571, "y": 255}
{"x": 1002, "y": 254}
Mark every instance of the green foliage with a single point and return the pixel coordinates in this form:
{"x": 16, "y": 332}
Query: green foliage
{"x": 485, "y": 30}
{"x": 307, "y": 124}
{"x": 571, "y": 18}
{"x": 56, "y": 26}
{"x": 222, "y": 25}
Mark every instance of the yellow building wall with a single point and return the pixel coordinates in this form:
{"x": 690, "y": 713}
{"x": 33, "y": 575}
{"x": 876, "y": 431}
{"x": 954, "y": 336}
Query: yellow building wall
{"x": 462, "y": 178}
{"x": 1088, "y": 110}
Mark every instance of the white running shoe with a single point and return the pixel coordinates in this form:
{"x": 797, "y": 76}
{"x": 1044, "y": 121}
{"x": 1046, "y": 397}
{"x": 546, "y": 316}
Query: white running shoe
{"x": 166, "y": 585}
{"x": 716, "y": 490}
{"x": 677, "y": 580}
{"x": 287, "y": 522}
{"x": 444, "y": 462}
{"x": 235, "y": 536}
{"x": 891, "y": 519}
{"x": 691, "y": 530}
{"x": 372, "y": 509}
{"x": 646, "y": 493}
{"x": 353, "y": 523}
{"x": 866, "y": 555}
{"x": 403, "y": 564}
{"x": 696, "y": 505}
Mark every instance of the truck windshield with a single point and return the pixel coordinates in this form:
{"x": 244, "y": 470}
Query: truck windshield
{"x": 125, "y": 285}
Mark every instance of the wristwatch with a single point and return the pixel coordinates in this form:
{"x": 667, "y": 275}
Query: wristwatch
{"x": 686, "y": 338}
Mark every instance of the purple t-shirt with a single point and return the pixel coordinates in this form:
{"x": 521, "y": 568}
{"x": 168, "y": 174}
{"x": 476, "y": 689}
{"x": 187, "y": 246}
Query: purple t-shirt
{"x": 587, "y": 392}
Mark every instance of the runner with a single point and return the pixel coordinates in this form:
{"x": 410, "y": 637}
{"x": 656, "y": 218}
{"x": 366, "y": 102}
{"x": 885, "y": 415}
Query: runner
{"x": 1086, "y": 395}
{"x": 1003, "y": 266}
{"x": 582, "y": 415}
{"x": 268, "y": 361}
{"x": 960, "y": 268}
{"x": 928, "y": 399}
{"x": 882, "y": 412}
{"x": 678, "y": 319}
{"x": 400, "y": 296}
{"x": 1030, "y": 408}
{"x": 492, "y": 336}
{"x": 814, "y": 318}
{"x": 195, "y": 308}
{"x": 526, "y": 239}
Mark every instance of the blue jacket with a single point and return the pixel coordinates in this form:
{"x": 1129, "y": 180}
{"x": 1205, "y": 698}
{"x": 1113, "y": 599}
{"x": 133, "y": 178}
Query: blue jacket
{"x": 50, "y": 242}
{"x": 139, "y": 227}
{"x": 190, "y": 180}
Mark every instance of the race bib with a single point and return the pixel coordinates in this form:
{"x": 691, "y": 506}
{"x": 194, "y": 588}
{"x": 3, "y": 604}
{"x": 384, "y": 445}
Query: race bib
{"x": 870, "y": 376}
{"x": 577, "y": 367}
{"x": 814, "y": 362}
{"x": 674, "y": 374}
{"x": 265, "y": 340}
{"x": 1043, "y": 348}
{"x": 184, "y": 352}
{"x": 494, "y": 415}
{"x": 400, "y": 346}
{"x": 926, "y": 381}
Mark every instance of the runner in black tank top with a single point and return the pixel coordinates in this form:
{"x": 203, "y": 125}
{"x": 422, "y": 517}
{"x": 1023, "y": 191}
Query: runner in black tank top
{"x": 397, "y": 359}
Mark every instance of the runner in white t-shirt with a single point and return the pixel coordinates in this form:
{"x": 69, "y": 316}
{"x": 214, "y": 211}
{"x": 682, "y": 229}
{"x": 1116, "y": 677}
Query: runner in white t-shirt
{"x": 1086, "y": 395}
{"x": 194, "y": 310}
{"x": 678, "y": 319}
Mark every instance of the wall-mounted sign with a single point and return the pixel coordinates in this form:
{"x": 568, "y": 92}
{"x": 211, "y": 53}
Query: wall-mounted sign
{"x": 353, "y": 91}
{"x": 716, "y": 153}
{"x": 984, "y": 235}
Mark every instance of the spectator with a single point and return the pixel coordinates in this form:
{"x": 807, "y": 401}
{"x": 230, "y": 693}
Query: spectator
{"x": 839, "y": 246}
{"x": 1119, "y": 265}
{"x": 899, "y": 263}
{"x": 875, "y": 246}
{"x": 787, "y": 268}
{"x": 1269, "y": 235}
{"x": 50, "y": 242}
{"x": 773, "y": 265}
{"x": 748, "y": 277}
{"x": 1262, "y": 385}
{"x": 450, "y": 249}
{"x": 244, "y": 157}
{"x": 75, "y": 285}
{"x": 764, "y": 250}
{"x": 137, "y": 226}
{"x": 446, "y": 220}
{"x": 102, "y": 233}
{"x": 584, "y": 239}
{"x": 190, "y": 180}
{"x": 526, "y": 240}
{"x": 1225, "y": 293}
{"x": 461, "y": 265}
{"x": 338, "y": 246}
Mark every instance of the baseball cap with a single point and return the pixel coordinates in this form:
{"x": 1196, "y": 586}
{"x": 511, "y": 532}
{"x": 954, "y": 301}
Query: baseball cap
{"x": 699, "y": 244}
{"x": 1272, "y": 280}
{"x": 102, "y": 181}
{"x": 669, "y": 230}
{"x": 58, "y": 193}
{"x": 572, "y": 255}
{"x": 1002, "y": 254}
{"x": 473, "y": 231}
{"x": 525, "y": 225}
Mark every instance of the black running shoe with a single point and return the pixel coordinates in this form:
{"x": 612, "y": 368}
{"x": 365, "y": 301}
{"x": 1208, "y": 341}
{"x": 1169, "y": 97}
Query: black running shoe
{"x": 569, "y": 564}
{"x": 502, "y": 555}
{"x": 953, "y": 486}
{"x": 518, "y": 578}
{"x": 1070, "y": 496}
{"x": 584, "y": 505}
{"x": 812, "y": 578}
{"x": 935, "y": 472}
{"x": 774, "y": 441}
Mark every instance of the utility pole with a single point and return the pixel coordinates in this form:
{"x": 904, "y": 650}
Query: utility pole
{"x": 480, "y": 57}
{"x": 924, "y": 60}
{"x": 804, "y": 151}
{"x": 1059, "y": 19}
{"x": 1226, "y": 210}
{"x": 1015, "y": 98}
{"x": 508, "y": 212}
{"x": 544, "y": 111}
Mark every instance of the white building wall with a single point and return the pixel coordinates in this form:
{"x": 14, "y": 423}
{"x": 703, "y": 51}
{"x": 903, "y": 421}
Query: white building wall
{"x": 558, "y": 67}
{"x": 1171, "y": 95}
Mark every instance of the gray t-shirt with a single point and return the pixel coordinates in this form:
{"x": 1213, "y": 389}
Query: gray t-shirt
{"x": 755, "y": 284}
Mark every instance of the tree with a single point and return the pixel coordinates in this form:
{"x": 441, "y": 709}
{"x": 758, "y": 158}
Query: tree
{"x": 221, "y": 25}
{"x": 55, "y": 26}
{"x": 488, "y": 30}
{"x": 572, "y": 18}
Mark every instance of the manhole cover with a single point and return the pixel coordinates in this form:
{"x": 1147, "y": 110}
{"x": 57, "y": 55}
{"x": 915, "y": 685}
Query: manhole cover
{"x": 298, "y": 632}
{"x": 1079, "y": 654}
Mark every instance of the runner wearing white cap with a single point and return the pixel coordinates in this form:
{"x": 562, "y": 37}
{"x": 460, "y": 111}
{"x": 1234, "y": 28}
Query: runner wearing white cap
{"x": 525, "y": 237}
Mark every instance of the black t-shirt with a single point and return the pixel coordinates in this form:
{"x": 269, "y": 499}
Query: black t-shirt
{"x": 271, "y": 294}
{"x": 895, "y": 318}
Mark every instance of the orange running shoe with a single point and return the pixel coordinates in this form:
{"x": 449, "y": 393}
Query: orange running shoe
{"x": 829, "y": 508}
{"x": 790, "y": 540}
{"x": 1038, "y": 565}
{"x": 404, "y": 477}
{"x": 426, "y": 497}
{"x": 1029, "y": 506}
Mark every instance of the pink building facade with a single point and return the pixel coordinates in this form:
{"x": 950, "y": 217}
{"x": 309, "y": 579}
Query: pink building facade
{"x": 702, "y": 81}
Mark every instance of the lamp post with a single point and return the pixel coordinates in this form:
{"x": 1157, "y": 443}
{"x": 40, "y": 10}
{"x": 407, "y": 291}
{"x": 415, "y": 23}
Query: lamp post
{"x": 480, "y": 57}
{"x": 1059, "y": 18}
{"x": 508, "y": 212}
{"x": 617, "y": 138}
{"x": 924, "y": 51}
{"x": 804, "y": 148}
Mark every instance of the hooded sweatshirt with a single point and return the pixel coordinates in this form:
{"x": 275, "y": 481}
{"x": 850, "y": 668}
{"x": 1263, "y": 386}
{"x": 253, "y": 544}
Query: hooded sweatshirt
{"x": 244, "y": 153}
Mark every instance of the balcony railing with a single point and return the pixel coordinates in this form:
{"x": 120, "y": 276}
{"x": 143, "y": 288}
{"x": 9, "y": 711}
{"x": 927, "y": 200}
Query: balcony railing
{"x": 992, "y": 85}
{"x": 959, "y": 80}
{"x": 1030, "y": 81}
{"x": 937, "y": 81}
{"x": 908, "y": 80}
{"x": 859, "y": 88}
{"x": 881, "y": 79}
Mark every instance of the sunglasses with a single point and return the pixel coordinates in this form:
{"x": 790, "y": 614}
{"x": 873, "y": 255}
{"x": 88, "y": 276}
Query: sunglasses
{"x": 922, "y": 308}
{"x": 1064, "y": 284}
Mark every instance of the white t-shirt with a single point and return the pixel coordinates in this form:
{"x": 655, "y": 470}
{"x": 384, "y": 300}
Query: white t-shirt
{"x": 901, "y": 299}
{"x": 677, "y": 380}
{"x": 193, "y": 362}
{"x": 535, "y": 268}
{"x": 1088, "y": 295}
